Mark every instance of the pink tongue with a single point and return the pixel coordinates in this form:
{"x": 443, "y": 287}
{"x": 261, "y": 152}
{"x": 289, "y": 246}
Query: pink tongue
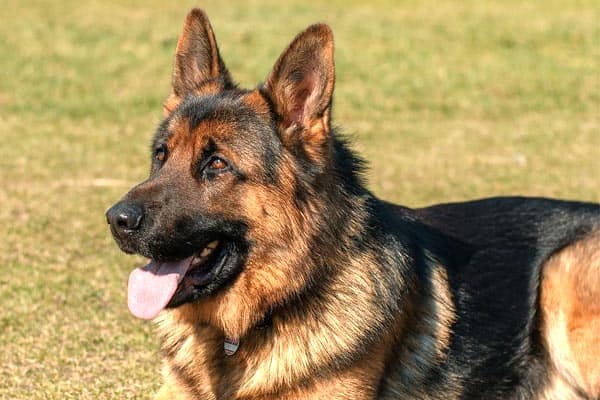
{"x": 151, "y": 287}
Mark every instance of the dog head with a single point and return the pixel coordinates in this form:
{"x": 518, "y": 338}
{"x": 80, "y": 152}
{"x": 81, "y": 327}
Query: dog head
{"x": 237, "y": 186}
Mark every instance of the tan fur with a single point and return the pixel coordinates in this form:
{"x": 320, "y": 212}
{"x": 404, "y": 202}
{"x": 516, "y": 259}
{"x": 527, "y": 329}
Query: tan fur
{"x": 275, "y": 360}
{"x": 570, "y": 304}
{"x": 429, "y": 324}
{"x": 269, "y": 364}
{"x": 257, "y": 102}
{"x": 444, "y": 310}
{"x": 559, "y": 389}
{"x": 170, "y": 104}
{"x": 317, "y": 351}
{"x": 270, "y": 274}
{"x": 350, "y": 317}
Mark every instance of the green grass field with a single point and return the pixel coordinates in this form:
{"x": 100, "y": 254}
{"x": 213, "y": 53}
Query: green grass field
{"x": 447, "y": 100}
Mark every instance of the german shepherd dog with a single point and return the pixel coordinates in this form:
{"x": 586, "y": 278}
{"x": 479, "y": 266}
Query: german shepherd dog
{"x": 275, "y": 274}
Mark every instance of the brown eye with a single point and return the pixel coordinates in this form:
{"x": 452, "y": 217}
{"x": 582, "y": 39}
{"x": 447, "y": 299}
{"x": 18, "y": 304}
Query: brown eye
{"x": 217, "y": 164}
{"x": 160, "y": 153}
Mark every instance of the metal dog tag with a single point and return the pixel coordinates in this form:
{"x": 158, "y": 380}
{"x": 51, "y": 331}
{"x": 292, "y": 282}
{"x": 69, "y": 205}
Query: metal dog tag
{"x": 230, "y": 346}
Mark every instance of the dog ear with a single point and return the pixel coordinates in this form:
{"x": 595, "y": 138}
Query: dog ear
{"x": 198, "y": 68}
{"x": 300, "y": 87}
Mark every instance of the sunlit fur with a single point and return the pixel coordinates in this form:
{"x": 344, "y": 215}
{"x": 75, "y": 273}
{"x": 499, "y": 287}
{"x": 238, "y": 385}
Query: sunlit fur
{"x": 341, "y": 295}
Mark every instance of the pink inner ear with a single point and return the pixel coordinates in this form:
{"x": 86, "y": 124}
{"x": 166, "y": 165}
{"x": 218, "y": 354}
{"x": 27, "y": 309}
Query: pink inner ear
{"x": 302, "y": 99}
{"x": 297, "y": 109}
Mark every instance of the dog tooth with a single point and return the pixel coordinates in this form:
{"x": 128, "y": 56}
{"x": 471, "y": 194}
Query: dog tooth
{"x": 205, "y": 252}
{"x": 212, "y": 245}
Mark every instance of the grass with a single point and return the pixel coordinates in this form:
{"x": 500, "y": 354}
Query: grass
{"x": 448, "y": 100}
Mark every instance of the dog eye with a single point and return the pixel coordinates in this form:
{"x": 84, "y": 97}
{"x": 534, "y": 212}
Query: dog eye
{"x": 217, "y": 164}
{"x": 160, "y": 153}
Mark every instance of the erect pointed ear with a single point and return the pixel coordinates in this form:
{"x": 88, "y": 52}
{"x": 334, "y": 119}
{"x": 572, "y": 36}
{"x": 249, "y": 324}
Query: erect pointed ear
{"x": 198, "y": 67}
{"x": 301, "y": 86}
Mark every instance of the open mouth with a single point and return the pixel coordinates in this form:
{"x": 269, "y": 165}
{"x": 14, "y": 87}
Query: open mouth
{"x": 163, "y": 284}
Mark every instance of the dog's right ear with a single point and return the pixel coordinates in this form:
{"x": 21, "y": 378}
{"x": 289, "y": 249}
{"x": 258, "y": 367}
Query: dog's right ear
{"x": 198, "y": 68}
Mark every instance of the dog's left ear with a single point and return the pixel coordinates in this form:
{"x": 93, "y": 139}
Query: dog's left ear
{"x": 198, "y": 68}
{"x": 300, "y": 87}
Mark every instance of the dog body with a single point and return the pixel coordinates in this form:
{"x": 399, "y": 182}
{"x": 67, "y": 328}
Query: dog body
{"x": 263, "y": 239}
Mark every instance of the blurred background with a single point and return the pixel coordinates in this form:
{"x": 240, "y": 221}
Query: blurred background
{"x": 447, "y": 100}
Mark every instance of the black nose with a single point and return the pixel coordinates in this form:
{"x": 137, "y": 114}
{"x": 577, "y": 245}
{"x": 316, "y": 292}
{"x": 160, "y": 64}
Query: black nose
{"x": 125, "y": 216}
